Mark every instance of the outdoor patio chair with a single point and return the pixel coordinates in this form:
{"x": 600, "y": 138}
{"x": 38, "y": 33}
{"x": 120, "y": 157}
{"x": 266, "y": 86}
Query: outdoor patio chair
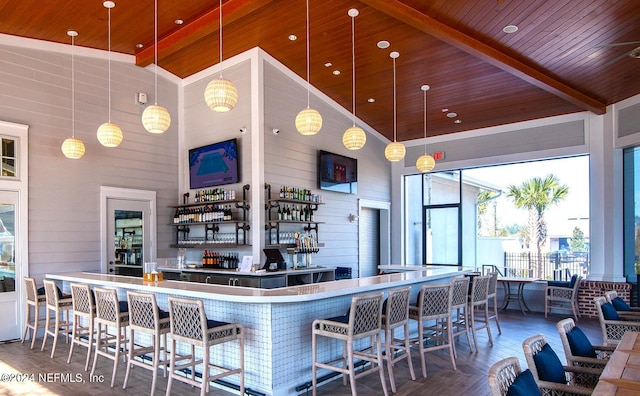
{"x": 612, "y": 327}
{"x": 578, "y": 350}
{"x": 563, "y": 298}
{"x": 551, "y": 376}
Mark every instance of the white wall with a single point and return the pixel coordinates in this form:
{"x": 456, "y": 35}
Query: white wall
{"x": 64, "y": 207}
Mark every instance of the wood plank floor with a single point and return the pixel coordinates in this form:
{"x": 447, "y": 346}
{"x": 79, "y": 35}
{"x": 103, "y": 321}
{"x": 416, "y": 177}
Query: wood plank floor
{"x": 470, "y": 378}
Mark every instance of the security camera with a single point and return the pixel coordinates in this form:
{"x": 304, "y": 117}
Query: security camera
{"x": 276, "y": 131}
{"x": 243, "y": 129}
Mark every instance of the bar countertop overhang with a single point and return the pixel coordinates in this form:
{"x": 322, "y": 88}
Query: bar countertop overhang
{"x": 310, "y": 292}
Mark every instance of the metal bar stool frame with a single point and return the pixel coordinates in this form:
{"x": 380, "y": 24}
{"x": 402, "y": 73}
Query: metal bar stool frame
{"x": 479, "y": 302}
{"x": 33, "y": 303}
{"x": 460, "y": 310}
{"x": 109, "y": 315}
{"x": 84, "y": 309}
{"x": 363, "y": 321}
{"x": 189, "y": 324}
{"x": 144, "y": 317}
{"x": 60, "y": 307}
{"x": 395, "y": 315}
{"x": 434, "y": 304}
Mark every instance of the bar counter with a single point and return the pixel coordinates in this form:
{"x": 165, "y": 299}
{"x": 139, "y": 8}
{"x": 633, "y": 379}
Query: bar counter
{"x": 277, "y": 321}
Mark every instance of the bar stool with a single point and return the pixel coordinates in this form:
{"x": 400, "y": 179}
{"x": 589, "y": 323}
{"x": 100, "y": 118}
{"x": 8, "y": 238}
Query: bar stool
{"x": 60, "y": 307}
{"x": 492, "y": 295}
{"x": 364, "y": 320}
{"x": 189, "y": 324}
{"x": 479, "y": 301}
{"x": 110, "y": 313}
{"x": 434, "y": 304}
{"x": 33, "y": 303}
{"x": 84, "y": 309}
{"x": 145, "y": 317}
{"x": 395, "y": 314}
{"x": 460, "y": 310}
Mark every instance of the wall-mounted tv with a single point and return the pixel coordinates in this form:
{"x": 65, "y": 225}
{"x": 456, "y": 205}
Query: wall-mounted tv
{"x": 337, "y": 173}
{"x": 214, "y": 165}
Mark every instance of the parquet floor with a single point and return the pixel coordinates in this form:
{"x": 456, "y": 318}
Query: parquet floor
{"x": 470, "y": 378}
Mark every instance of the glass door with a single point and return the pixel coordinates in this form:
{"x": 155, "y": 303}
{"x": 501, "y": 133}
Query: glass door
{"x": 129, "y": 244}
{"x": 10, "y": 273}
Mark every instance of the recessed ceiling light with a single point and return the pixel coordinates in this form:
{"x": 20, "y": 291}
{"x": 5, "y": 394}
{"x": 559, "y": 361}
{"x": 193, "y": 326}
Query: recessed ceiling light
{"x": 139, "y": 45}
{"x": 371, "y": 100}
{"x": 328, "y": 64}
{"x": 178, "y": 21}
{"x": 458, "y": 121}
{"x": 445, "y": 110}
{"x": 336, "y": 72}
{"x": 293, "y": 37}
{"x": 452, "y": 115}
{"x": 510, "y": 29}
{"x": 382, "y": 44}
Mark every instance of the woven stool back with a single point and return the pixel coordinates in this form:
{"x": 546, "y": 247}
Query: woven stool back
{"x": 366, "y": 315}
{"x": 82, "y": 300}
{"x": 397, "y": 310}
{"x": 460, "y": 293}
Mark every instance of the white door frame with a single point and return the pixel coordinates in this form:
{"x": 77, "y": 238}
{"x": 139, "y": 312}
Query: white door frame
{"x": 20, "y": 186}
{"x": 385, "y": 228}
{"x": 107, "y": 193}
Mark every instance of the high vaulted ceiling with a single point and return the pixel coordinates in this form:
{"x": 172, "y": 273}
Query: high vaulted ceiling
{"x": 566, "y": 56}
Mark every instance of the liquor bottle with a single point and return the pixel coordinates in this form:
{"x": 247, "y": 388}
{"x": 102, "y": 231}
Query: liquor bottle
{"x": 288, "y": 213}
{"x": 279, "y": 212}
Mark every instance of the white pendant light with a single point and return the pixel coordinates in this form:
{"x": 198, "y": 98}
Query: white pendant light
{"x": 425, "y": 162}
{"x": 156, "y": 119}
{"x": 109, "y": 134}
{"x": 394, "y": 151}
{"x": 353, "y": 138}
{"x": 308, "y": 121}
{"x": 221, "y": 95}
{"x": 72, "y": 147}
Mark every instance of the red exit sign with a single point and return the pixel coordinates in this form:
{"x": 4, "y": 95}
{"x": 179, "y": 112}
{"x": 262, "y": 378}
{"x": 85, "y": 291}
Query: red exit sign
{"x": 438, "y": 155}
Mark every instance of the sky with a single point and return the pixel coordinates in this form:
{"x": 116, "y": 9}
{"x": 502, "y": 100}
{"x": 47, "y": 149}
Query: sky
{"x": 562, "y": 218}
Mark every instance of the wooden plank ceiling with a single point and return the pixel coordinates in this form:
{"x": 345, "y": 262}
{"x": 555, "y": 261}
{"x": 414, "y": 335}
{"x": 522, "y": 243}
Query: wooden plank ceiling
{"x": 566, "y": 56}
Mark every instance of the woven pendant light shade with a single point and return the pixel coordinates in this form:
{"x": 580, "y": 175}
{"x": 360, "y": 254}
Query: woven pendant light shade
{"x": 308, "y": 122}
{"x": 394, "y": 151}
{"x": 354, "y": 138}
{"x": 221, "y": 95}
{"x": 109, "y": 134}
{"x": 73, "y": 148}
{"x": 425, "y": 163}
{"x": 156, "y": 119}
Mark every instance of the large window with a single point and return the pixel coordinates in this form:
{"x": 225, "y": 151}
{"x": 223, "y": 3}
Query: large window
{"x": 433, "y": 219}
{"x": 526, "y": 219}
{"x": 631, "y": 183}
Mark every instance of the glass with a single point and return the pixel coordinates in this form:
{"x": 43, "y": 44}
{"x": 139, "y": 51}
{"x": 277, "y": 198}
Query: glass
{"x": 7, "y": 239}
{"x": 151, "y": 273}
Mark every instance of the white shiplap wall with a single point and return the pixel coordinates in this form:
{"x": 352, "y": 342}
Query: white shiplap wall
{"x": 291, "y": 159}
{"x": 64, "y": 207}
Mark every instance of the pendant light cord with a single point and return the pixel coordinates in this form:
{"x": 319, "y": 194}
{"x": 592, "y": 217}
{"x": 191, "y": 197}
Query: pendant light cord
{"x": 220, "y": 39}
{"x": 155, "y": 48}
{"x": 73, "y": 90}
{"x": 109, "y": 52}
{"x": 425, "y": 122}
{"x": 394, "y": 100}
{"x": 353, "y": 66}
{"x": 307, "y": 37}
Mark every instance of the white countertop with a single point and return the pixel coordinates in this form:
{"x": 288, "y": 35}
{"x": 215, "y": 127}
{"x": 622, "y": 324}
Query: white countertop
{"x": 315, "y": 291}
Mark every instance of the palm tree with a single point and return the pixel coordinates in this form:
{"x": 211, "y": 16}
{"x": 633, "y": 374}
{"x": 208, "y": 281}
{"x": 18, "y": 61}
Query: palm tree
{"x": 536, "y": 195}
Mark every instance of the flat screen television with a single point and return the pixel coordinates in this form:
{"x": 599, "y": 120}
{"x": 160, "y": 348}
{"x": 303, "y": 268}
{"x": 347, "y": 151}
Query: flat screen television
{"x": 337, "y": 172}
{"x": 214, "y": 165}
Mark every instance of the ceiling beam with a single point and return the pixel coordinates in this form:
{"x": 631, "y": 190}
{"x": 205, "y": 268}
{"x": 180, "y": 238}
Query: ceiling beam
{"x": 472, "y": 46}
{"x": 198, "y": 29}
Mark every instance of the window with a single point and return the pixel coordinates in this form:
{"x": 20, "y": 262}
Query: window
{"x": 8, "y": 157}
{"x": 631, "y": 212}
